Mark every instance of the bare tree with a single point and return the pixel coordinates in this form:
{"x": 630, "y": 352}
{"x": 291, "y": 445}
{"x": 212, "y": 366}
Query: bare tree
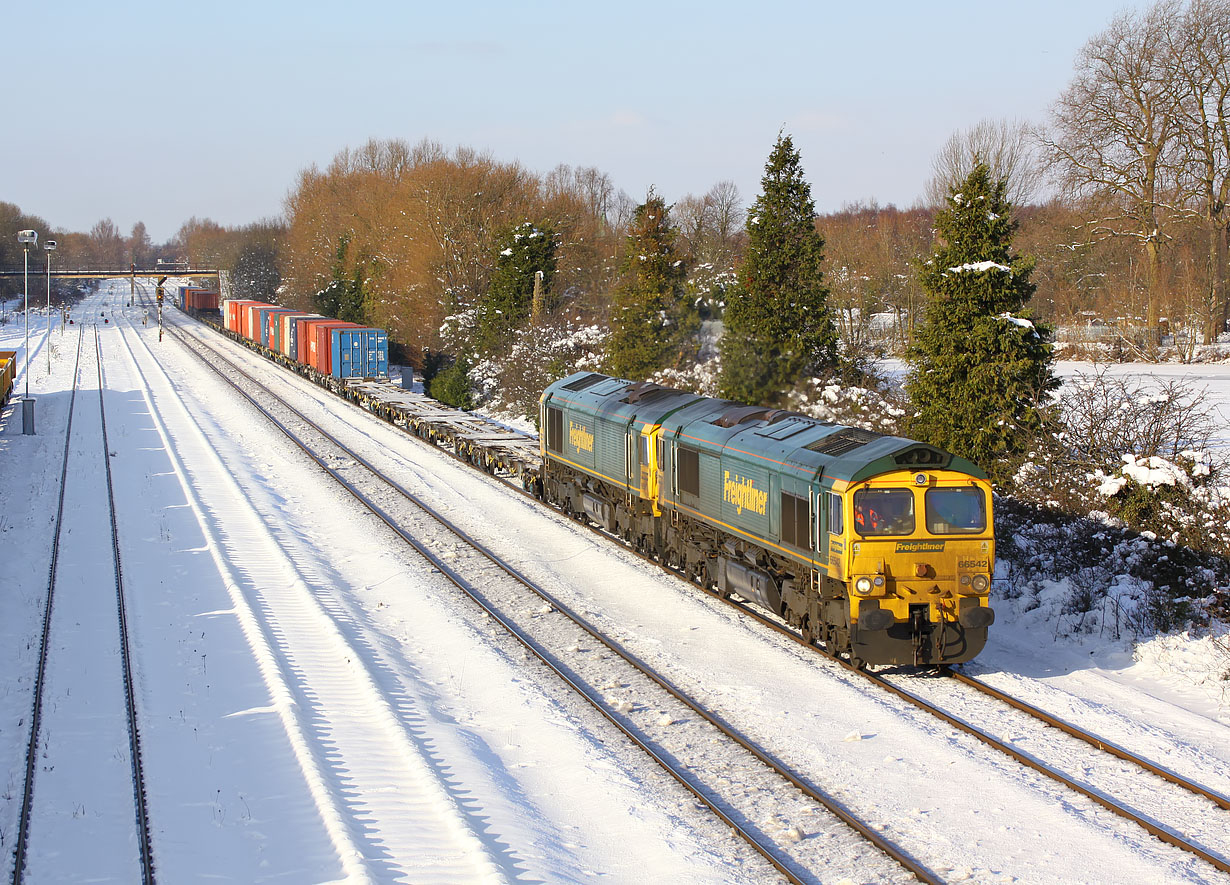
{"x": 140, "y": 247}
{"x": 1201, "y": 52}
{"x": 1007, "y": 147}
{"x": 708, "y": 225}
{"x": 108, "y": 246}
{"x": 727, "y": 205}
{"x": 1114, "y": 132}
{"x": 693, "y": 217}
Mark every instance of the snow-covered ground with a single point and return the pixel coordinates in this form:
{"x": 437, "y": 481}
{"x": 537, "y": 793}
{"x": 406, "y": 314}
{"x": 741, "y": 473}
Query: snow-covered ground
{"x": 1211, "y": 380}
{"x": 318, "y": 705}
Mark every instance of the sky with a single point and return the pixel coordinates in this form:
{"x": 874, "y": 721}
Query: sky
{"x": 159, "y": 112}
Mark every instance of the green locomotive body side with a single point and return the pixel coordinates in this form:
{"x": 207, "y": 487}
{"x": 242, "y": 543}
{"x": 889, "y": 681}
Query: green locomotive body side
{"x": 761, "y": 502}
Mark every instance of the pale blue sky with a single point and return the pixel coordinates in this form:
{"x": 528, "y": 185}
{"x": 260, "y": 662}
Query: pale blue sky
{"x": 156, "y": 112}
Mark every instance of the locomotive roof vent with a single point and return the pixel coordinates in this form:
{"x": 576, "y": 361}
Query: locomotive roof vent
{"x": 744, "y": 414}
{"x": 584, "y": 381}
{"x": 843, "y": 441}
{"x": 646, "y": 391}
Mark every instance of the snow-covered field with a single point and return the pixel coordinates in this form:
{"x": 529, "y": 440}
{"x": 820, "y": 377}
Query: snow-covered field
{"x": 1212, "y": 380}
{"x": 318, "y": 705}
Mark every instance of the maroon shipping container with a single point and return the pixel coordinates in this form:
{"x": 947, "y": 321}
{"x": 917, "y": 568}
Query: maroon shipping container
{"x": 320, "y": 344}
{"x": 201, "y": 299}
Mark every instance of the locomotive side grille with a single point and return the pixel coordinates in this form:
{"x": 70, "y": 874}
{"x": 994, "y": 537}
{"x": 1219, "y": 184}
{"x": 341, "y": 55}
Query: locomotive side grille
{"x": 689, "y": 471}
{"x": 555, "y": 429}
{"x": 795, "y": 520}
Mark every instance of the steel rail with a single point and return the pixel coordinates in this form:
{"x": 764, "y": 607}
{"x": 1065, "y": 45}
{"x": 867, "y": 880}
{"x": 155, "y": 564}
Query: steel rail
{"x": 1149, "y": 826}
{"x": 1091, "y": 739}
{"x": 36, "y": 715}
{"x": 130, "y": 703}
{"x": 767, "y": 851}
{"x": 1152, "y": 827}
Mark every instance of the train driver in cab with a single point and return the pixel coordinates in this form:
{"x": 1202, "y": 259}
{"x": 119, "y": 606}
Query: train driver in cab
{"x": 884, "y": 512}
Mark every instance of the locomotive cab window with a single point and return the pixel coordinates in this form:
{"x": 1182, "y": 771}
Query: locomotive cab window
{"x": 961, "y": 511}
{"x": 555, "y": 429}
{"x": 884, "y": 511}
{"x": 836, "y": 523}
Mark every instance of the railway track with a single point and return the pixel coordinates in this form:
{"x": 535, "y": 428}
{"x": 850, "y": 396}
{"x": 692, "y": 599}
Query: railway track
{"x": 1178, "y": 834}
{"x": 361, "y": 747}
{"x": 1172, "y": 834}
{"x": 44, "y": 740}
{"x": 659, "y": 718}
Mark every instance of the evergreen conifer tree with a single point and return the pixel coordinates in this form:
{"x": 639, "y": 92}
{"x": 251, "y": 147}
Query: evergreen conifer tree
{"x": 979, "y": 368}
{"x": 652, "y": 318}
{"x": 344, "y": 298}
{"x": 525, "y": 250}
{"x": 778, "y": 326}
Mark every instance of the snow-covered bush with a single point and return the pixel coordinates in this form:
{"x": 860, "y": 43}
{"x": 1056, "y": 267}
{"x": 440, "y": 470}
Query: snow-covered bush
{"x": 509, "y": 388}
{"x": 1087, "y": 576}
{"x": 1135, "y": 453}
{"x": 876, "y": 407}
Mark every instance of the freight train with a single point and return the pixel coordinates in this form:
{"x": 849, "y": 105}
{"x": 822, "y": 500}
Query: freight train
{"x": 305, "y": 340}
{"x": 878, "y": 546}
{"x": 8, "y": 370}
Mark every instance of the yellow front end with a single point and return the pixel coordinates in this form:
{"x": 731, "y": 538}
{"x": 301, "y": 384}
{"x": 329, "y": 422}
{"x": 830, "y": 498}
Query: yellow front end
{"x": 919, "y": 556}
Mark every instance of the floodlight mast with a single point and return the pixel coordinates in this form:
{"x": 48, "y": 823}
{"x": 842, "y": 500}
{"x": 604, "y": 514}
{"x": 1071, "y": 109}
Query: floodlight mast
{"x": 49, "y": 246}
{"x": 27, "y": 238}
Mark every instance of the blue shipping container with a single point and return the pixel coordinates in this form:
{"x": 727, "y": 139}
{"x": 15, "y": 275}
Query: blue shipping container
{"x": 266, "y": 319}
{"x": 359, "y": 353}
{"x": 289, "y": 346}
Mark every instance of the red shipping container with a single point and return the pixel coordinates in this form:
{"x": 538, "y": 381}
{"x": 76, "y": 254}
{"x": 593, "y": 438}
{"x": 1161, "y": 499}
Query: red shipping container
{"x": 320, "y": 344}
{"x": 287, "y": 335}
{"x": 268, "y": 325}
{"x": 303, "y": 334}
{"x": 301, "y": 337}
{"x": 233, "y": 317}
{"x": 252, "y": 319}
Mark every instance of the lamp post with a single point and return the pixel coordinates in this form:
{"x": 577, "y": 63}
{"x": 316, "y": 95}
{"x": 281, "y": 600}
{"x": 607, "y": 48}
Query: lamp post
{"x": 27, "y": 238}
{"x": 49, "y": 246}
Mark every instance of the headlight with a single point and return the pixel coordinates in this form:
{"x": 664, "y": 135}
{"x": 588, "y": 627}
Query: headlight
{"x": 981, "y": 583}
{"x": 863, "y": 586}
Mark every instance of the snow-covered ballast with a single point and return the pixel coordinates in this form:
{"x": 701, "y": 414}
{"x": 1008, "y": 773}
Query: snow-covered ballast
{"x": 881, "y": 547}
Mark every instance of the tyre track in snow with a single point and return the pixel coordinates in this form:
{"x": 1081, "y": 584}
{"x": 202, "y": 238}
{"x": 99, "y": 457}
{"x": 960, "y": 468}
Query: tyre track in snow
{"x": 362, "y": 762}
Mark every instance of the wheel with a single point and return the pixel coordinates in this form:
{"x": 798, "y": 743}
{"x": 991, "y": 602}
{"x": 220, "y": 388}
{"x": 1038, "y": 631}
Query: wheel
{"x": 805, "y": 629}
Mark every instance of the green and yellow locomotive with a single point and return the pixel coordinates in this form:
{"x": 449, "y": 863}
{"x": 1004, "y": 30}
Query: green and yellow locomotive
{"x": 878, "y": 546}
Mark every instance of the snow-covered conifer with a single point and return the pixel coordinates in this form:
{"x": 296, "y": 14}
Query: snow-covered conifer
{"x": 980, "y": 368}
